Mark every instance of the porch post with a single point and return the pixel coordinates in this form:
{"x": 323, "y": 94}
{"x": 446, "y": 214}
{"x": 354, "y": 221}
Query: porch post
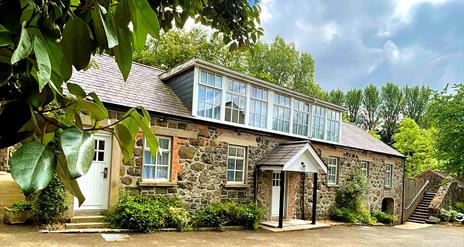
{"x": 313, "y": 216}
{"x": 281, "y": 203}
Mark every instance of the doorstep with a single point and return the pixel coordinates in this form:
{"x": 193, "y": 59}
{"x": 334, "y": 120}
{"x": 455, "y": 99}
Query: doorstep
{"x": 292, "y": 225}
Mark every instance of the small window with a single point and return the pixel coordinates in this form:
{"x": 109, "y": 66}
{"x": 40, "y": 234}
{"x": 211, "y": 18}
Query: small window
{"x": 365, "y": 168}
{"x": 99, "y": 154}
{"x": 332, "y": 171}
{"x": 388, "y": 176}
{"x": 157, "y": 168}
{"x": 235, "y": 102}
{"x": 209, "y": 95}
{"x": 236, "y": 164}
{"x": 281, "y": 113}
{"x": 258, "y": 107}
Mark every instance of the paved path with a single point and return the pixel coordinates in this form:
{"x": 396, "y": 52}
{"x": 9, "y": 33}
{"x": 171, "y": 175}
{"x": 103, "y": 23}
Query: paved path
{"x": 405, "y": 235}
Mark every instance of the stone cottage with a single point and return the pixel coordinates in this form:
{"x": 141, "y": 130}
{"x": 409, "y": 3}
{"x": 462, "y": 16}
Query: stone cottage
{"x": 224, "y": 135}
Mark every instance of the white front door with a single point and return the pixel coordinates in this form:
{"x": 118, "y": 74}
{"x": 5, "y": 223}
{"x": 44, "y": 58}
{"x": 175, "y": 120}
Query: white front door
{"x": 275, "y": 193}
{"x": 95, "y": 184}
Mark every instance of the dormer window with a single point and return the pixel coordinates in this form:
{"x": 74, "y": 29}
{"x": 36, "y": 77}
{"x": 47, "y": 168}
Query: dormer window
{"x": 300, "y": 117}
{"x": 235, "y": 102}
{"x": 281, "y": 113}
{"x": 318, "y": 124}
{"x": 258, "y": 107}
{"x": 209, "y": 95}
{"x": 333, "y": 125}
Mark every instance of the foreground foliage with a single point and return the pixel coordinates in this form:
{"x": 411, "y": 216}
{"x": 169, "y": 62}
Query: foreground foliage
{"x": 40, "y": 44}
{"x": 49, "y": 204}
{"x": 150, "y": 213}
{"x": 383, "y": 217}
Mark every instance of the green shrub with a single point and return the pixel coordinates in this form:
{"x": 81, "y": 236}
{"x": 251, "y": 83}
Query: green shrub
{"x": 49, "y": 204}
{"x": 229, "y": 213}
{"x": 383, "y": 217}
{"x": 146, "y": 214}
{"x": 348, "y": 206}
{"x": 21, "y": 206}
{"x": 459, "y": 206}
{"x": 447, "y": 215}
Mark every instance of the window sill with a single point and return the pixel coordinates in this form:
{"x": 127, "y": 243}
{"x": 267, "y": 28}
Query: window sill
{"x": 333, "y": 185}
{"x": 236, "y": 186}
{"x": 156, "y": 183}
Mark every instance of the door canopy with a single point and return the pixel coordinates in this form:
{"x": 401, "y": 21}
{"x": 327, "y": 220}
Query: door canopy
{"x": 293, "y": 156}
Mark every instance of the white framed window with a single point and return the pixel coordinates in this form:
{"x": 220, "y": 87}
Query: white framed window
{"x": 333, "y": 125}
{"x": 99, "y": 154}
{"x": 258, "y": 107}
{"x": 388, "y": 175}
{"x": 318, "y": 122}
{"x": 235, "y": 102}
{"x": 300, "y": 117}
{"x": 365, "y": 168}
{"x": 209, "y": 95}
{"x": 332, "y": 170}
{"x": 157, "y": 168}
{"x": 281, "y": 113}
{"x": 236, "y": 164}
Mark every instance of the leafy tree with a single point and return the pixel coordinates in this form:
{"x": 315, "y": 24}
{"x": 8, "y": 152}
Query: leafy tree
{"x": 417, "y": 145}
{"x": 375, "y": 134}
{"x": 371, "y": 107}
{"x": 416, "y": 100}
{"x": 447, "y": 115}
{"x": 41, "y": 42}
{"x": 353, "y": 101}
{"x": 390, "y": 109}
{"x": 336, "y": 96}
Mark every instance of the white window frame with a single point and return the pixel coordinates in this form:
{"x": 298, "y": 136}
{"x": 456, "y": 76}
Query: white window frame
{"x": 331, "y": 165}
{"x": 261, "y": 101}
{"x": 365, "y": 168}
{"x": 335, "y": 120}
{"x": 388, "y": 175}
{"x": 324, "y": 120}
{"x": 298, "y": 111}
{"x": 156, "y": 165}
{"x": 282, "y": 107}
{"x": 235, "y": 170}
{"x": 239, "y": 95}
{"x": 215, "y": 88}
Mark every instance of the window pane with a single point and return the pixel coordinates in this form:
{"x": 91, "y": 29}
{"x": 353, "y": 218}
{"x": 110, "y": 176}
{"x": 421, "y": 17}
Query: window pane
{"x": 148, "y": 172}
{"x": 230, "y": 164}
{"x": 163, "y": 143}
{"x": 210, "y": 79}
{"x": 230, "y": 176}
{"x": 162, "y": 172}
{"x": 238, "y": 176}
{"x": 239, "y": 165}
{"x": 203, "y": 77}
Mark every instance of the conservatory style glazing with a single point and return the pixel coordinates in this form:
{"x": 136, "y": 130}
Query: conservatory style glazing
{"x": 220, "y": 97}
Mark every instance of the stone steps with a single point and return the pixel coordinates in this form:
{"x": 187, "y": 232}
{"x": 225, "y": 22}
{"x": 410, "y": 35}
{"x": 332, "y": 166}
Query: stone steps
{"x": 421, "y": 212}
{"x": 87, "y": 219}
{"x": 86, "y": 225}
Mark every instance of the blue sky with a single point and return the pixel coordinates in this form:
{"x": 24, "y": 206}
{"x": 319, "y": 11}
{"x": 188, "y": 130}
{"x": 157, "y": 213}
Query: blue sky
{"x": 357, "y": 42}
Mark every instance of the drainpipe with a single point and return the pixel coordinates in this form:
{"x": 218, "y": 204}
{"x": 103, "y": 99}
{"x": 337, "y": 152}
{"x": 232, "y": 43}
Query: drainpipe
{"x": 313, "y": 216}
{"x": 281, "y": 203}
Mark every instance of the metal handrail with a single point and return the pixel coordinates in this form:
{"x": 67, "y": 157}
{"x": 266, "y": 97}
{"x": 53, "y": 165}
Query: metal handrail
{"x": 417, "y": 195}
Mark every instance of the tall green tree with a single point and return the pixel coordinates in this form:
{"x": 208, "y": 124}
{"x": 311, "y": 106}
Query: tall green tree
{"x": 353, "y": 101}
{"x": 41, "y": 42}
{"x": 371, "y": 107}
{"x": 390, "y": 109}
{"x": 417, "y": 145}
{"x": 336, "y": 96}
{"x": 416, "y": 100}
{"x": 447, "y": 115}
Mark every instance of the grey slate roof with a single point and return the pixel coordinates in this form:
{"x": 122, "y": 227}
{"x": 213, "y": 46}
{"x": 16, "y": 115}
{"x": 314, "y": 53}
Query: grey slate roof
{"x": 142, "y": 88}
{"x": 355, "y": 137}
{"x": 282, "y": 153}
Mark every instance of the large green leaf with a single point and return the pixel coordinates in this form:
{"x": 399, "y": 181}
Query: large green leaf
{"x": 97, "y": 112}
{"x": 33, "y": 166}
{"x": 60, "y": 66}
{"x": 70, "y": 184}
{"x": 24, "y": 46}
{"x": 43, "y": 62}
{"x": 125, "y": 141}
{"x": 76, "y": 42}
{"x": 110, "y": 30}
{"x": 76, "y": 90}
{"x": 150, "y": 137}
{"x": 150, "y": 20}
{"x": 5, "y": 36}
{"x": 78, "y": 147}
{"x": 123, "y": 51}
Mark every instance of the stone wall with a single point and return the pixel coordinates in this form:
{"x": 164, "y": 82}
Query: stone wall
{"x": 198, "y": 172}
{"x": 349, "y": 160}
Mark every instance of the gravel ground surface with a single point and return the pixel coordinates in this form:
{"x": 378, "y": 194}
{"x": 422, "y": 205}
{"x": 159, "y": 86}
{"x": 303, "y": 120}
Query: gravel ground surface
{"x": 404, "y": 235}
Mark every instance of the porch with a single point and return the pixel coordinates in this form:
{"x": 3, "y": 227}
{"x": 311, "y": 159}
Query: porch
{"x": 274, "y": 171}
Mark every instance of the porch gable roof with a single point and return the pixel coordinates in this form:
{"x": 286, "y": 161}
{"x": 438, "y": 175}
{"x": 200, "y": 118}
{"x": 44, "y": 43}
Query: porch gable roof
{"x": 297, "y": 156}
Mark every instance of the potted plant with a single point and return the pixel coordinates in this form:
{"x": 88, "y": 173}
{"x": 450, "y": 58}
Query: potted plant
{"x": 18, "y": 213}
